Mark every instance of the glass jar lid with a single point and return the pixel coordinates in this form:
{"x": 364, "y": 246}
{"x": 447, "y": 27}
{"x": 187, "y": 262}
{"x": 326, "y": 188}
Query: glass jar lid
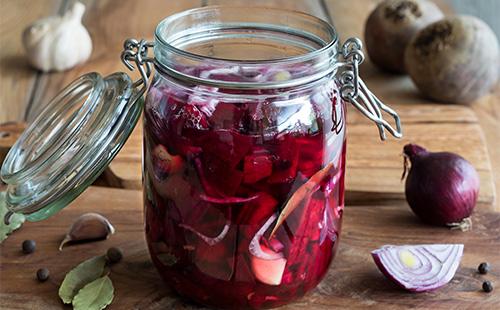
{"x": 70, "y": 143}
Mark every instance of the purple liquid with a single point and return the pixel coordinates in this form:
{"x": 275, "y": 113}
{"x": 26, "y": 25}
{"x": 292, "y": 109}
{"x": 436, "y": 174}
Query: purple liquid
{"x": 217, "y": 174}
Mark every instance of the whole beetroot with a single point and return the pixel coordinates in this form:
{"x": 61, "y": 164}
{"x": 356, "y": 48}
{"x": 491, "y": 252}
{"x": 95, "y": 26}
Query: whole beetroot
{"x": 390, "y": 27}
{"x": 454, "y": 60}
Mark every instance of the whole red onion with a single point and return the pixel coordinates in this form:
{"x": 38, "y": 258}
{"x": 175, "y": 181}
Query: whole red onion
{"x": 441, "y": 188}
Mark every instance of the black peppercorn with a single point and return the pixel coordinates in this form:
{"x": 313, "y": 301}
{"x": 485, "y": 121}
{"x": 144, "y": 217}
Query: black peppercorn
{"x": 114, "y": 255}
{"x": 487, "y": 286}
{"x": 42, "y": 274}
{"x": 28, "y": 246}
{"x": 483, "y": 268}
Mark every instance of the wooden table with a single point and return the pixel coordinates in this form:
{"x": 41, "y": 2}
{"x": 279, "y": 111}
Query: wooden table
{"x": 352, "y": 282}
{"x": 375, "y": 220}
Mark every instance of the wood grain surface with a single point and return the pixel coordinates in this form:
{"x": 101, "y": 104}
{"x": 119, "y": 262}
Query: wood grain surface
{"x": 17, "y": 79}
{"x": 373, "y": 167}
{"x": 352, "y": 282}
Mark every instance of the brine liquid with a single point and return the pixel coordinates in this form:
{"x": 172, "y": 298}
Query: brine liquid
{"x": 217, "y": 175}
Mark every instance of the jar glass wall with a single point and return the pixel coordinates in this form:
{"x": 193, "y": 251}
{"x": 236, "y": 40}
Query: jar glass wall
{"x": 244, "y": 156}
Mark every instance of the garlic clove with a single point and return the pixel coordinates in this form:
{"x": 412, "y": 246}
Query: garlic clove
{"x": 87, "y": 227}
{"x": 58, "y": 42}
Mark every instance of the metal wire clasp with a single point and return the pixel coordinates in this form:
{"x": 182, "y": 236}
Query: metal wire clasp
{"x": 354, "y": 90}
{"x": 137, "y": 52}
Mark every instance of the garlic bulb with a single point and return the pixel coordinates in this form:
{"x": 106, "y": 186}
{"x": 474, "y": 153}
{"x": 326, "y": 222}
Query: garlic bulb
{"x": 58, "y": 42}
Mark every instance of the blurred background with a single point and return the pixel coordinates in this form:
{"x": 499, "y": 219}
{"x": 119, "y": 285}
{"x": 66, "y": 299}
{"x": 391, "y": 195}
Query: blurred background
{"x": 110, "y": 22}
{"x": 487, "y": 10}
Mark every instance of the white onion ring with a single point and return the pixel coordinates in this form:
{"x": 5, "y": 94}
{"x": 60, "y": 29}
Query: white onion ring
{"x": 255, "y": 248}
{"x": 209, "y": 240}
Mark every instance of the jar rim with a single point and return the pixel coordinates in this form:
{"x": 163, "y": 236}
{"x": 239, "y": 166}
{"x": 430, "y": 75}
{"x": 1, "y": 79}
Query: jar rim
{"x": 170, "y": 19}
{"x": 168, "y": 55}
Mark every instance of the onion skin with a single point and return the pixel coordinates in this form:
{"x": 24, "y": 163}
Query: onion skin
{"x": 441, "y": 188}
{"x": 419, "y": 268}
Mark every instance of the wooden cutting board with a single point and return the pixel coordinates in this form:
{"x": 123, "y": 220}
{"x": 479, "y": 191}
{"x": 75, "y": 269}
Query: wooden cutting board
{"x": 353, "y": 280}
{"x": 374, "y": 168}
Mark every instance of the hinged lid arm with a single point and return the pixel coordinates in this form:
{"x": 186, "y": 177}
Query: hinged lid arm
{"x": 137, "y": 52}
{"x": 354, "y": 90}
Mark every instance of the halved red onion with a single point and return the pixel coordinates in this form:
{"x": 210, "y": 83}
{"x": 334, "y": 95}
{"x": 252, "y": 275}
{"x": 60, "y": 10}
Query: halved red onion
{"x": 255, "y": 246}
{"x": 209, "y": 240}
{"x": 419, "y": 268}
{"x": 227, "y": 200}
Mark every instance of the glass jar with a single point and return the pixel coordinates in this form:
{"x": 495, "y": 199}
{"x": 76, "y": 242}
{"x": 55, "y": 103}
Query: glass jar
{"x": 244, "y": 156}
{"x": 244, "y": 149}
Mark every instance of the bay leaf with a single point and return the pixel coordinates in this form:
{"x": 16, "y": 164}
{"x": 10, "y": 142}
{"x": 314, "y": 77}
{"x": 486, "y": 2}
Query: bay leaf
{"x": 95, "y": 296}
{"x": 80, "y": 276}
{"x": 16, "y": 220}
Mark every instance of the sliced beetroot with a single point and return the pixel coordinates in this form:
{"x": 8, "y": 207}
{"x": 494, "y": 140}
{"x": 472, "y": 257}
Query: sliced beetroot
{"x": 191, "y": 117}
{"x": 217, "y": 260}
{"x": 241, "y": 168}
{"x": 257, "y": 211}
{"x": 205, "y": 219}
{"x": 306, "y": 270}
{"x": 286, "y": 160}
{"x": 311, "y": 154}
{"x": 306, "y": 239}
{"x": 207, "y": 187}
{"x": 218, "y": 178}
{"x": 242, "y": 272}
{"x": 226, "y": 145}
{"x": 257, "y": 167}
{"x": 419, "y": 268}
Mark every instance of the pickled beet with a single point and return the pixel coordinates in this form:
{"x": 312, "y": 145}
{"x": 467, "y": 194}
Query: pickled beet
{"x": 217, "y": 171}
{"x": 257, "y": 167}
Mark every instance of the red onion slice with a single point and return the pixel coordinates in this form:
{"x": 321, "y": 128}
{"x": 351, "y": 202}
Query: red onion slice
{"x": 209, "y": 240}
{"x": 227, "y": 200}
{"x": 327, "y": 225}
{"x": 255, "y": 247}
{"x": 206, "y": 74}
{"x": 419, "y": 268}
